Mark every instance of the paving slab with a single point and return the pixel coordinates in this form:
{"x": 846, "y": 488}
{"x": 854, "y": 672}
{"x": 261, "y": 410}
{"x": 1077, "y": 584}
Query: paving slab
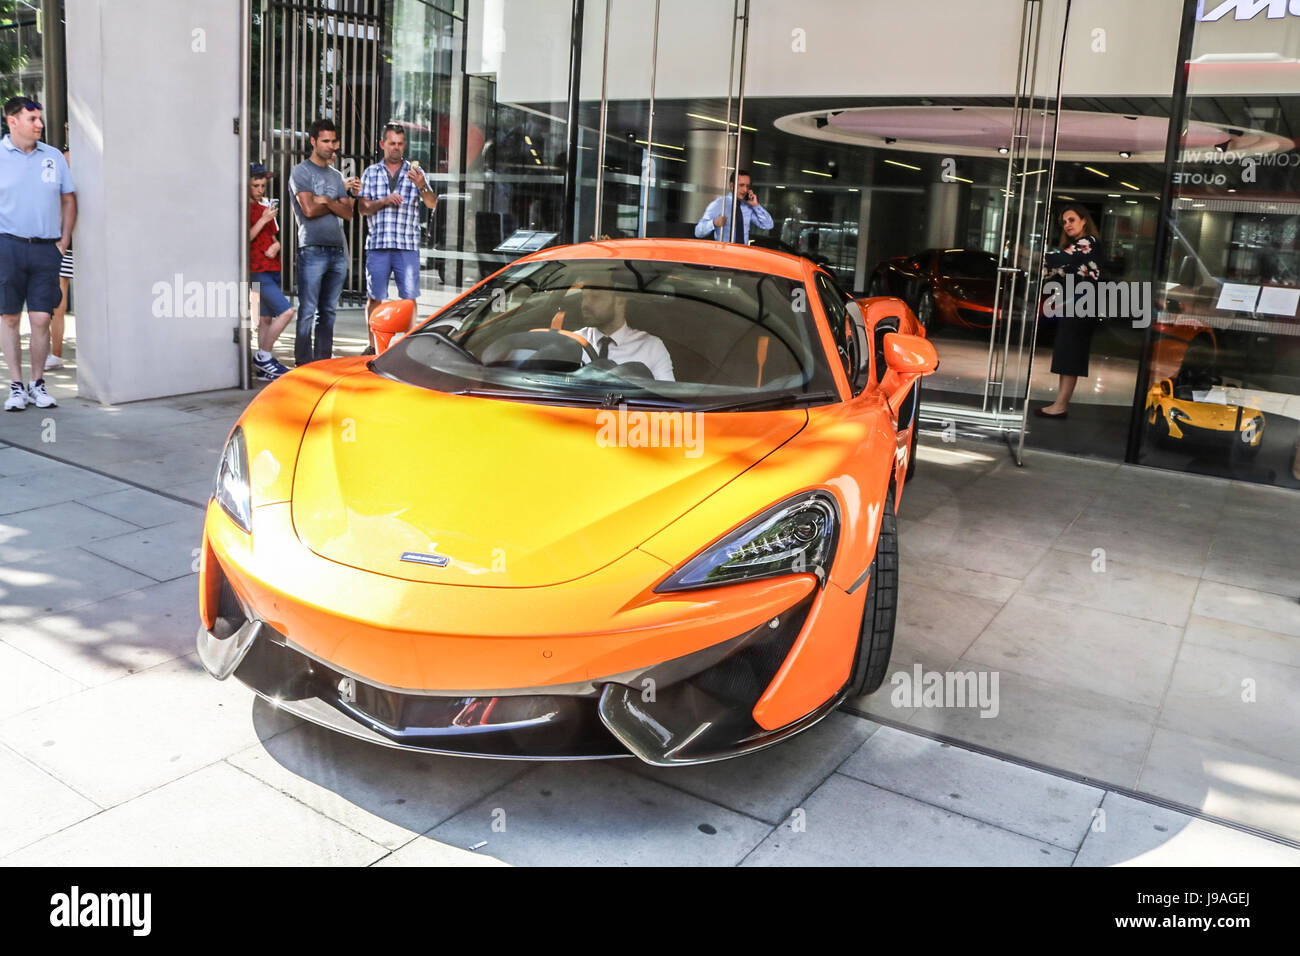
{"x": 594, "y": 814}
{"x": 1055, "y": 725}
{"x": 939, "y": 623}
{"x": 1141, "y": 834}
{"x": 125, "y": 738}
{"x": 770, "y": 783}
{"x": 1121, "y": 588}
{"x": 1270, "y": 646}
{"x": 26, "y": 535}
{"x": 120, "y": 635}
{"x": 1112, "y": 654}
{"x": 18, "y": 461}
{"x": 1007, "y": 795}
{"x": 217, "y": 816}
{"x": 851, "y": 823}
{"x": 61, "y": 580}
{"x": 140, "y": 507}
{"x": 33, "y": 804}
{"x": 1262, "y": 609}
{"x": 163, "y": 553}
{"x": 1238, "y": 700}
{"x": 26, "y": 682}
{"x": 387, "y": 795}
{"x": 423, "y": 852}
{"x": 49, "y": 486}
{"x": 1224, "y": 780}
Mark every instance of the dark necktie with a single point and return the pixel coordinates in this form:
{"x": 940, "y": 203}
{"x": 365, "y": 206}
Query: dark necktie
{"x": 605, "y": 343}
{"x": 738, "y": 227}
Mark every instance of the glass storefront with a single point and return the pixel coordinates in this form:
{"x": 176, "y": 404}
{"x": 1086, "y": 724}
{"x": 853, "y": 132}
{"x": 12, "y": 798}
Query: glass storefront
{"x": 1223, "y": 366}
{"x": 898, "y": 172}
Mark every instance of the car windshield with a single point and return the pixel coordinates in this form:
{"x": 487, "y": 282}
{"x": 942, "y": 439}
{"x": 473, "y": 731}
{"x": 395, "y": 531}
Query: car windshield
{"x": 968, "y": 264}
{"x": 601, "y": 331}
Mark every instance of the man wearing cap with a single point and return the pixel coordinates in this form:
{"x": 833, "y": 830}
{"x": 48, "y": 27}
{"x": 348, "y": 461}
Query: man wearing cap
{"x": 38, "y": 208}
{"x": 394, "y": 194}
{"x": 264, "y": 269}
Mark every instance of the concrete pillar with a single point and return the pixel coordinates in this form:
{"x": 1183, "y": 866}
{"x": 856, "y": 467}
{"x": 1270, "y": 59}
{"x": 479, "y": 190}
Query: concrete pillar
{"x": 708, "y": 163}
{"x": 153, "y": 92}
{"x": 947, "y": 203}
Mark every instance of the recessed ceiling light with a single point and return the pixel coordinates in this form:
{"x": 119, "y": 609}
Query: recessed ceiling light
{"x": 1130, "y": 186}
{"x": 1093, "y": 169}
{"x": 1124, "y": 154}
{"x": 1003, "y": 150}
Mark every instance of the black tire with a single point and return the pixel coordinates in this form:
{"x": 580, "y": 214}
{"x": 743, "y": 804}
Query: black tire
{"x": 925, "y": 310}
{"x": 876, "y": 634}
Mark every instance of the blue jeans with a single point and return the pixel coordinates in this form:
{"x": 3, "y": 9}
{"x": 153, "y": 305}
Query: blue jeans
{"x": 321, "y": 271}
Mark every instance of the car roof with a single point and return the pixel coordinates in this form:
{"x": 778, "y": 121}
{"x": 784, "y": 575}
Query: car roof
{"x": 703, "y": 252}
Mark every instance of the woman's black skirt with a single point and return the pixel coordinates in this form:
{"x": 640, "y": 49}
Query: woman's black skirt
{"x": 1073, "y": 343}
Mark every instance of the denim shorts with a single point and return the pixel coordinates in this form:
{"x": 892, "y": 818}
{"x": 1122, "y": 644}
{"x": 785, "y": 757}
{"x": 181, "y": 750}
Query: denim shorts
{"x": 403, "y": 264}
{"x": 29, "y": 274}
{"x": 274, "y": 301}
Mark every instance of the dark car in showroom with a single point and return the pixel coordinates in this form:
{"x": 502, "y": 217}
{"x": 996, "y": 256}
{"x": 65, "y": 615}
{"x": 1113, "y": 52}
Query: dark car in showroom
{"x": 943, "y": 286}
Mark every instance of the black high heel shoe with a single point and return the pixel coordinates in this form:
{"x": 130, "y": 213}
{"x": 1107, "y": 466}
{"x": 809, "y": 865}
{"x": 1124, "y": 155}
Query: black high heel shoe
{"x": 1042, "y": 413}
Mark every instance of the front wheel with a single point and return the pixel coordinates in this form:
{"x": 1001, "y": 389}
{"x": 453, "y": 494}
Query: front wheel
{"x": 925, "y": 310}
{"x": 876, "y": 634}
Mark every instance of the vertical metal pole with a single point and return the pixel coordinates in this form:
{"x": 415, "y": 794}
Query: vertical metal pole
{"x": 650, "y": 130}
{"x": 246, "y": 313}
{"x": 731, "y": 82}
{"x": 740, "y": 125}
{"x": 604, "y": 118}
{"x": 1037, "y": 283}
{"x": 54, "y": 68}
{"x": 1178, "y": 113}
{"x": 570, "y": 218}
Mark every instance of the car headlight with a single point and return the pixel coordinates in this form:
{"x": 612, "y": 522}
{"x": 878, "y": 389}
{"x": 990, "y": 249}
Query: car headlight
{"x": 795, "y": 537}
{"x": 231, "y": 490}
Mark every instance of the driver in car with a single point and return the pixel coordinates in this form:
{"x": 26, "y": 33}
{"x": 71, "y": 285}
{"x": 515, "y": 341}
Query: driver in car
{"x": 617, "y": 341}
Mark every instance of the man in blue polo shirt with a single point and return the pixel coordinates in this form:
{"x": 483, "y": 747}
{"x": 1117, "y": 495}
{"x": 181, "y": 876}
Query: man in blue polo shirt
{"x": 38, "y": 208}
{"x": 714, "y": 221}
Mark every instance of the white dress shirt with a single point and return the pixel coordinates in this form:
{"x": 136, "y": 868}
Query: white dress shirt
{"x": 632, "y": 345}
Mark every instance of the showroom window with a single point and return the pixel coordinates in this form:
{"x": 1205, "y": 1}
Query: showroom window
{"x": 1223, "y": 366}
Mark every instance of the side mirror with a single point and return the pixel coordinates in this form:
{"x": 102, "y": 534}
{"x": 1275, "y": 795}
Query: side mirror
{"x": 390, "y": 319}
{"x": 907, "y": 357}
{"x": 910, "y": 354}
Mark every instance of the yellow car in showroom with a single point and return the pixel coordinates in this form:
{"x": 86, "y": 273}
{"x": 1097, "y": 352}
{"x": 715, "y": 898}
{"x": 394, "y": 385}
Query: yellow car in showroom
{"x": 1194, "y": 409}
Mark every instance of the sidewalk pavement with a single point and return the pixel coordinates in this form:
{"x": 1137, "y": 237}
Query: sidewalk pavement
{"x": 117, "y": 748}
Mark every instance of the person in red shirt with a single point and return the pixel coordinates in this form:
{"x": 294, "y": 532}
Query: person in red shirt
{"x": 264, "y": 269}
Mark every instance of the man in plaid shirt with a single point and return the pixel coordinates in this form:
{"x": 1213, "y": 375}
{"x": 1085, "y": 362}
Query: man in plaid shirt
{"x": 391, "y": 195}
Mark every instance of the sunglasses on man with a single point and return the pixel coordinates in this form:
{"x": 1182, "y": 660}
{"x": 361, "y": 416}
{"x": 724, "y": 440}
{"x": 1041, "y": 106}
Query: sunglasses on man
{"x": 17, "y": 104}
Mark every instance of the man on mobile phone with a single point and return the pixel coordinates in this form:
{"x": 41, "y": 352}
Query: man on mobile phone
{"x": 322, "y": 201}
{"x": 715, "y": 221}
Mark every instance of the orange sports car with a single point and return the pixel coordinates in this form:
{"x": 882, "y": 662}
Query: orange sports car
{"x": 627, "y": 497}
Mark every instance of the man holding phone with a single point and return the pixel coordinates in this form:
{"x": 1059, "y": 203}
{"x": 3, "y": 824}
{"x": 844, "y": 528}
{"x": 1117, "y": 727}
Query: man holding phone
{"x": 714, "y": 220}
{"x": 322, "y": 201}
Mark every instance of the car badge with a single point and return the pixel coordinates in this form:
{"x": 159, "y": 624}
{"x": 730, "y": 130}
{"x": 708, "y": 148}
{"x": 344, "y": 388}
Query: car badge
{"x": 419, "y": 557}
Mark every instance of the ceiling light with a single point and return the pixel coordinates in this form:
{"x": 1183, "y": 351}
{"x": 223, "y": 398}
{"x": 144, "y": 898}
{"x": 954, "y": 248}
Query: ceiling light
{"x": 1131, "y": 186}
{"x": 894, "y": 162}
{"x": 807, "y": 190}
{"x": 759, "y": 162}
{"x": 680, "y": 149}
{"x": 813, "y": 172}
{"x": 1124, "y": 154}
{"x": 1003, "y": 150}
{"x": 1131, "y": 202}
{"x": 1098, "y": 172}
{"x": 714, "y": 119}
{"x": 1113, "y": 195}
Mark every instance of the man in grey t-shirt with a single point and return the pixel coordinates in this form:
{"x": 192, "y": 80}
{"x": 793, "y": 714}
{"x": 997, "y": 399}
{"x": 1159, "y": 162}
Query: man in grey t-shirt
{"x": 322, "y": 202}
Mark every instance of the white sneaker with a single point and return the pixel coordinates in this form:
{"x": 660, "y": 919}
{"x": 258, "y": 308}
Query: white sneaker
{"x": 39, "y": 396}
{"x": 17, "y": 399}
{"x": 53, "y": 361}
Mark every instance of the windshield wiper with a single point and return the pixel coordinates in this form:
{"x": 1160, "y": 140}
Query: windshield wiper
{"x": 786, "y": 400}
{"x": 442, "y": 336}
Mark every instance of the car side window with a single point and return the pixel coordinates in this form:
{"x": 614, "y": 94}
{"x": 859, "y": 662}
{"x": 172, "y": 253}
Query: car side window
{"x": 847, "y": 344}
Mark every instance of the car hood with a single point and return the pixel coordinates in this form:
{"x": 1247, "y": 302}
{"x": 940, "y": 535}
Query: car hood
{"x": 511, "y": 494}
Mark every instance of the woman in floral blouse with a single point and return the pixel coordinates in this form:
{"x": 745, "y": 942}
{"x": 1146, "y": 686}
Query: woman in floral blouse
{"x": 1080, "y": 255}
